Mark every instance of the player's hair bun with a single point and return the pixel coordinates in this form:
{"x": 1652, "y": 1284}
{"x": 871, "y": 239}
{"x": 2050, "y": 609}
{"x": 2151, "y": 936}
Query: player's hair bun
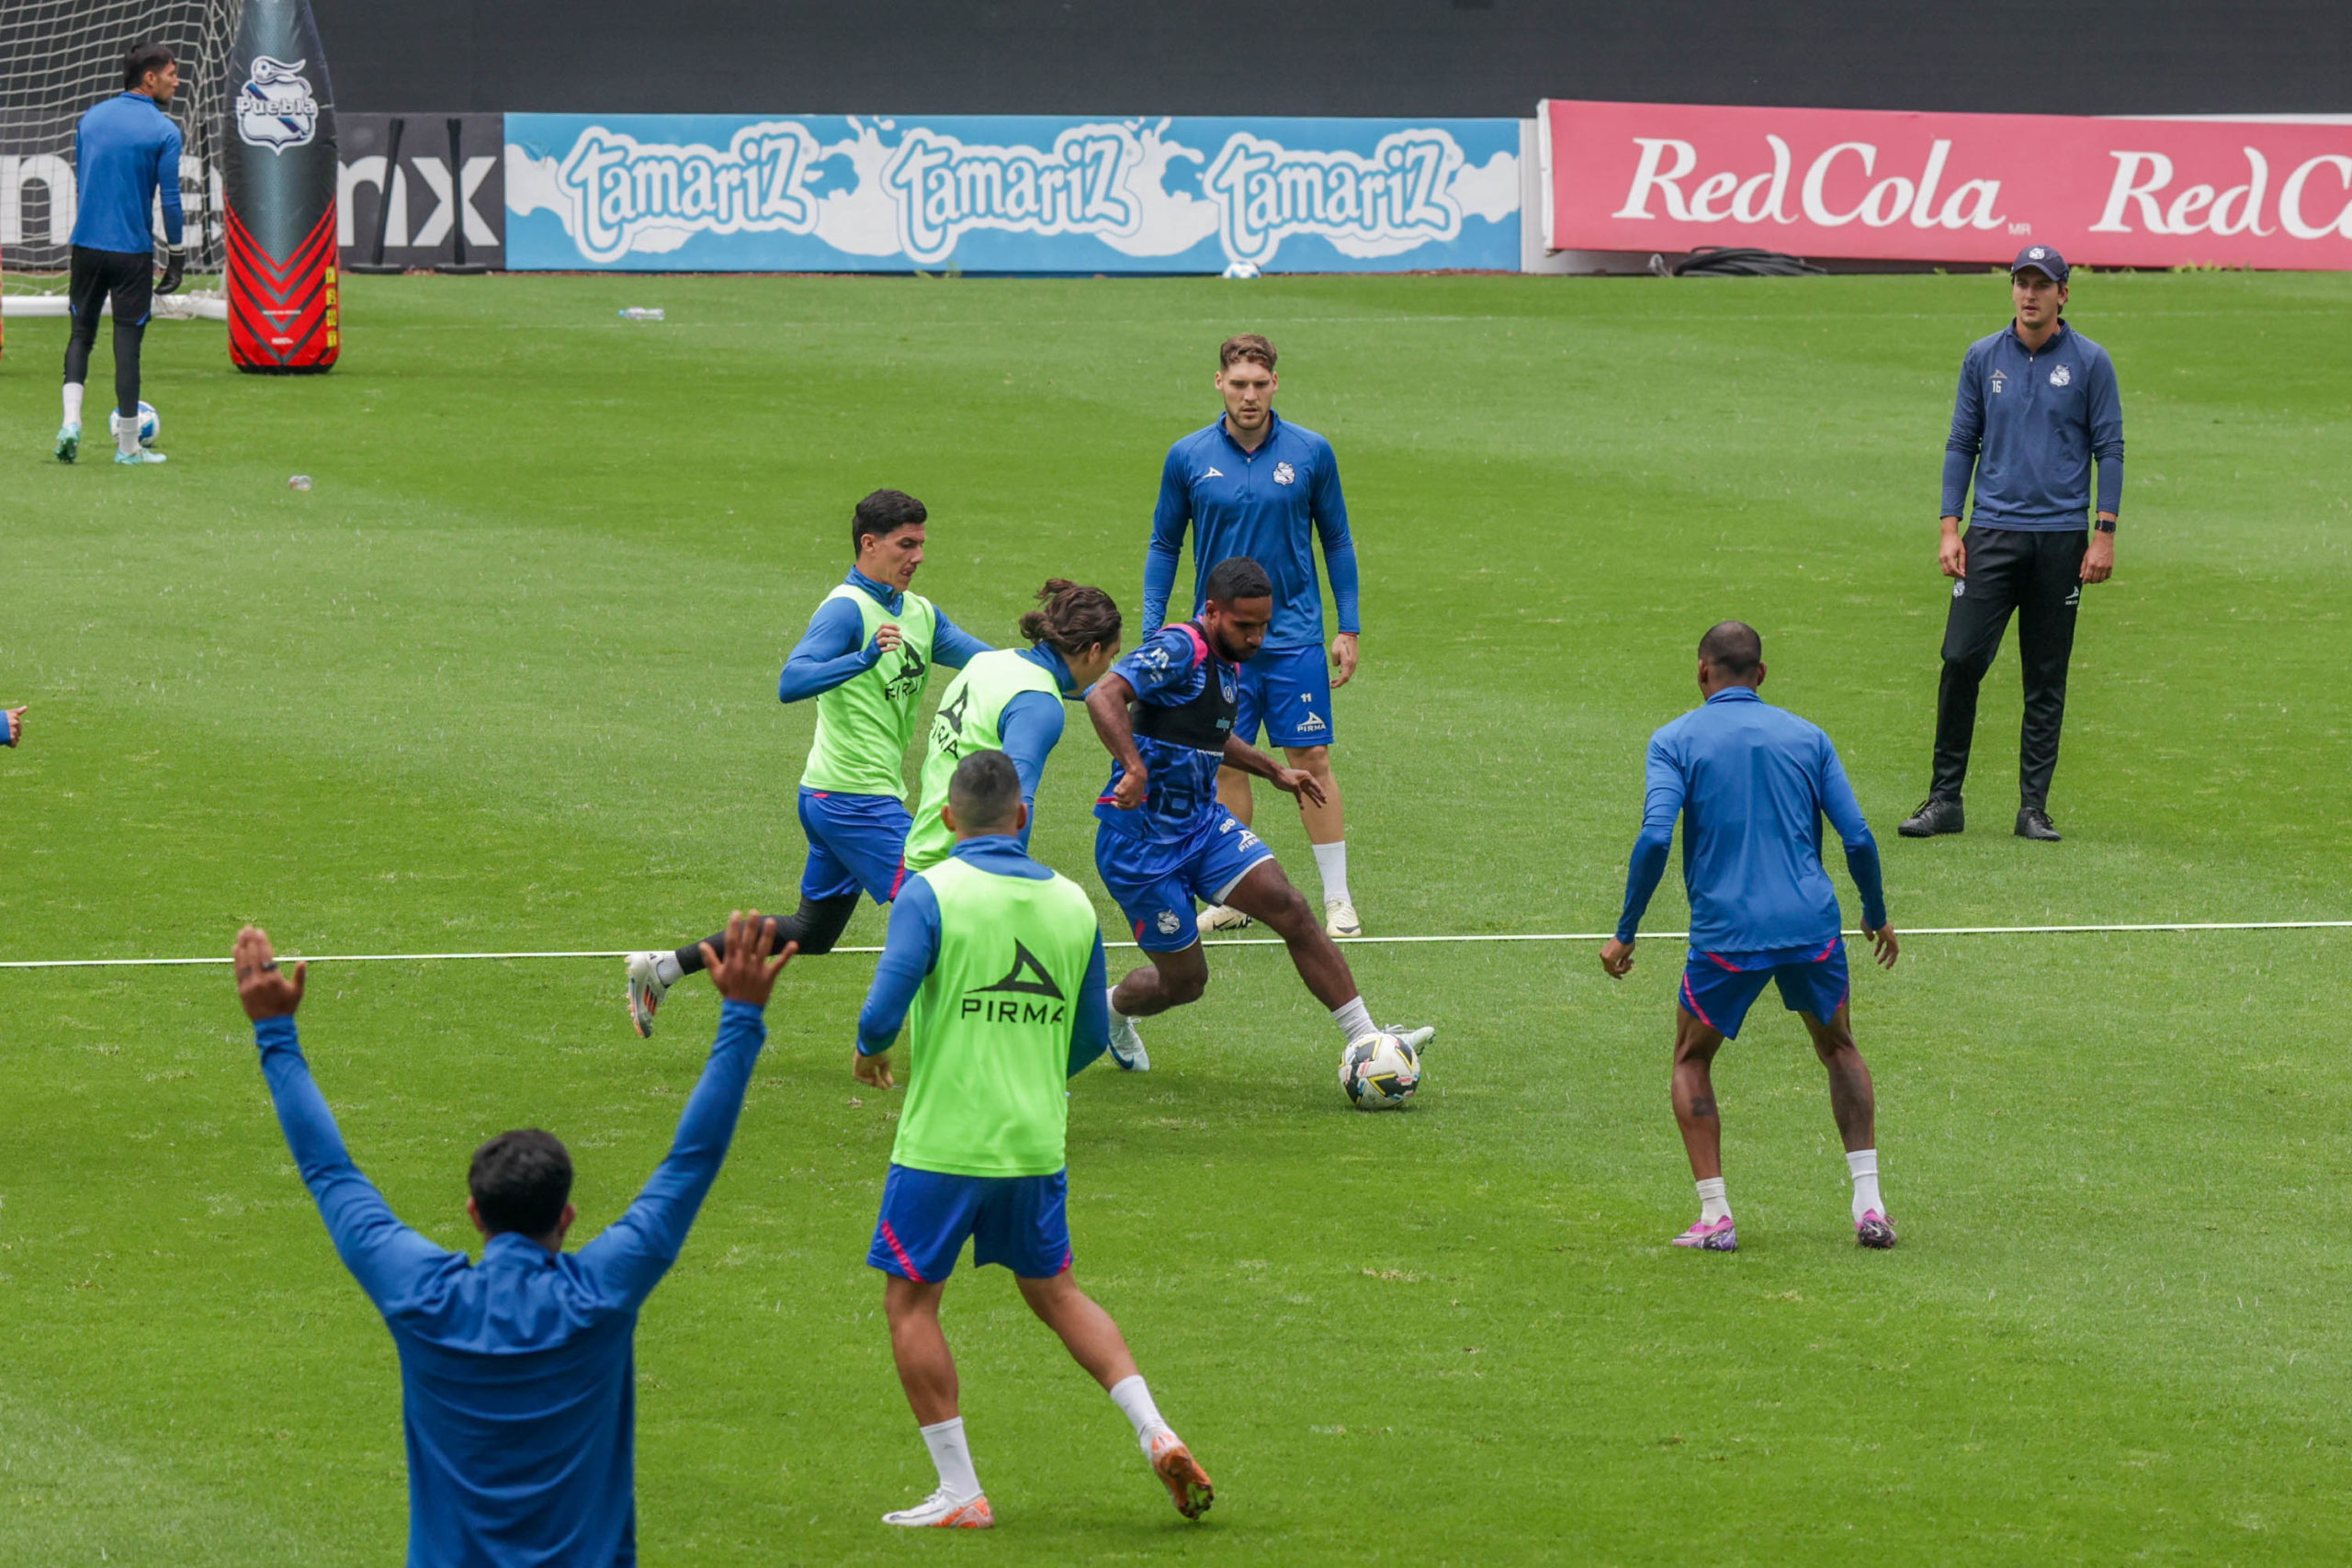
{"x": 1071, "y": 616}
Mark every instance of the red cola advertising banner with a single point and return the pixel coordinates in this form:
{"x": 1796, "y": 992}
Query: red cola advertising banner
{"x": 1958, "y": 187}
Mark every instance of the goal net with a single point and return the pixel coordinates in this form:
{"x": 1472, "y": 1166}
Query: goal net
{"x": 57, "y": 59}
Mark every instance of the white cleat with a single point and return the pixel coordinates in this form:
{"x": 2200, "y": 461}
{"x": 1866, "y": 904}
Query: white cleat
{"x": 1417, "y": 1039}
{"x": 646, "y": 989}
{"x": 1339, "y": 918}
{"x": 1221, "y": 918}
{"x": 944, "y": 1511}
{"x": 1126, "y": 1045}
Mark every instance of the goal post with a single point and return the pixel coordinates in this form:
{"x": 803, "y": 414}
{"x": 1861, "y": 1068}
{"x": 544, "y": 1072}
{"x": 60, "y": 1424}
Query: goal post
{"x": 57, "y": 59}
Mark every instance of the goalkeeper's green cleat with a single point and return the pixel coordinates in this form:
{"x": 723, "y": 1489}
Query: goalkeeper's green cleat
{"x": 142, "y": 456}
{"x": 69, "y": 443}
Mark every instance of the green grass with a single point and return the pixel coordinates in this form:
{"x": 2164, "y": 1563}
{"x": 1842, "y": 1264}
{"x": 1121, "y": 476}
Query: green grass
{"x": 504, "y": 681}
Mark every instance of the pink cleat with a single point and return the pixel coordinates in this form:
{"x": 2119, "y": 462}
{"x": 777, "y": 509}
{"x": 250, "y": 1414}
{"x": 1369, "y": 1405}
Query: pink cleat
{"x": 1721, "y": 1236}
{"x": 1874, "y": 1231}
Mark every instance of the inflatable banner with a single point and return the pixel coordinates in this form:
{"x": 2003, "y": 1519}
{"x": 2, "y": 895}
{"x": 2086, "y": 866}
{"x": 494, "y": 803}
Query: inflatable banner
{"x": 818, "y": 193}
{"x": 278, "y": 185}
{"x": 1959, "y": 187}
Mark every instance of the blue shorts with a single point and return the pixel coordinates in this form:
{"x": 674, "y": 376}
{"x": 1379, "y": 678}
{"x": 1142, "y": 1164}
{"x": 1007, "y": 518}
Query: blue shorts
{"x": 1719, "y": 987}
{"x": 1290, "y": 693}
{"x": 1021, "y": 1222}
{"x": 855, "y": 841}
{"x": 1156, "y": 883}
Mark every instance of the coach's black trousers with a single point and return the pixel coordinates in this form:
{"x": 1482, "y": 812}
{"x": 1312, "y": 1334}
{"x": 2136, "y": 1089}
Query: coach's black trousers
{"x": 2038, "y": 576}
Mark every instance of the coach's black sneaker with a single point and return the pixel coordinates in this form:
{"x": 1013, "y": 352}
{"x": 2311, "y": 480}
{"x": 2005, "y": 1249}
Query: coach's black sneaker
{"x": 1936, "y": 815}
{"x": 2034, "y": 823}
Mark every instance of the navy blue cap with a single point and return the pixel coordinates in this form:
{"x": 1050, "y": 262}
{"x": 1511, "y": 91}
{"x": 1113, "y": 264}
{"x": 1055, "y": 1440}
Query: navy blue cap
{"x": 2042, "y": 259}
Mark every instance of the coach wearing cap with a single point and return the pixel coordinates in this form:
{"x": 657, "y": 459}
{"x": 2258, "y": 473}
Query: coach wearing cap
{"x": 2037, "y": 402}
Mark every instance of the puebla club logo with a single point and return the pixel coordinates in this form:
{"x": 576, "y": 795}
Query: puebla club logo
{"x": 275, "y": 108}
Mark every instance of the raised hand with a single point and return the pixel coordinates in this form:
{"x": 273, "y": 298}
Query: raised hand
{"x": 886, "y": 637}
{"x": 261, "y": 986}
{"x": 745, "y": 974}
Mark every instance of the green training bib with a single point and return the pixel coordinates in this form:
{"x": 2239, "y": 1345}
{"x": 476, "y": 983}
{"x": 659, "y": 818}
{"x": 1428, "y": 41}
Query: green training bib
{"x": 863, "y": 724}
{"x": 968, "y": 720}
{"x": 988, "y": 1040}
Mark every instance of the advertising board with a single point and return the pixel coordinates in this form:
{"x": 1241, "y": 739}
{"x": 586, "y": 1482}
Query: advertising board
{"x": 1956, "y": 187}
{"x": 1005, "y": 193}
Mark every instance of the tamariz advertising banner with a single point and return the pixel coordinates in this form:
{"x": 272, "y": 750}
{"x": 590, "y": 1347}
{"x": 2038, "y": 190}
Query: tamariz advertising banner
{"x": 1961, "y": 187}
{"x": 1008, "y": 192}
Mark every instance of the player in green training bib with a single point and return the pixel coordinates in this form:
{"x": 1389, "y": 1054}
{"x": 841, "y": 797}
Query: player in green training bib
{"x": 996, "y": 965}
{"x": 1011, "y": 701}
{"x": 865, "y": 660}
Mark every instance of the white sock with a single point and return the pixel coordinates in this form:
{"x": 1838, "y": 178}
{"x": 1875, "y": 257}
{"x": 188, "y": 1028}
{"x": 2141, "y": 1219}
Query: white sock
{"x": 668, "y": 970}
{"x": 1712, "y": 1204}
{"x": 126, "y": 439}
{"x": 1134, "y": 1401}
{"x": 1864, "y": 1162}
{"x": 1331, "y": 859}
{"x": 72, "y": 402}
{"x": 953, "y": 1458}
{"x": 1112, "y": 992}
{"x": 1354, "y": 1021}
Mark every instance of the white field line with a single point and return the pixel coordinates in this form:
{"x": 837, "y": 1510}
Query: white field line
{"x": 1225, "y": 941}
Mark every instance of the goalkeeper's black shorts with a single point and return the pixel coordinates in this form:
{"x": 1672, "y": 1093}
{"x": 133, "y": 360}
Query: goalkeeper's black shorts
{"x": 126, "y": 277}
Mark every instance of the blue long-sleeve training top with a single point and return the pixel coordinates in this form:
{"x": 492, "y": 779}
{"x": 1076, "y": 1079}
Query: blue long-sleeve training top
{"x": 518, "y": 1374}
{"x": 1270, "y": 505}
{"x": 2027, "y": 424}
{"x": 1031, "y": 727}
{"x": 124, "y": 151}
{"x": 1751, "y": 783}
{"x": 835, "y": 647}
{"x": 910, "y": 948}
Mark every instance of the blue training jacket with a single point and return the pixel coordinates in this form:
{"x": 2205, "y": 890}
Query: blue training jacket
{"x": 125, "y": 150}
{"x": 518, "y": 1374}
{"x": 1751, "y": 783}
{"x": 2027, "y": 425}
{"x": 1270, "y": 505}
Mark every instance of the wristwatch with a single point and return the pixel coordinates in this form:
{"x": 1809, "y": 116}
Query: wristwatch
{"x": 2104, "y": 525}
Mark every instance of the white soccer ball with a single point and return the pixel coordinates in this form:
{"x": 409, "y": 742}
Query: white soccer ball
{"x": 1379, "y": 1072}
{"x": 1242, "y": 269}
{"x": 149, "y": 425}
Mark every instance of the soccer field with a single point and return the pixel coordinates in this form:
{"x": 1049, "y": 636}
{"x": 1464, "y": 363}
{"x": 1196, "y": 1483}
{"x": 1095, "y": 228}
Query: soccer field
{"x": 504, "y": 681}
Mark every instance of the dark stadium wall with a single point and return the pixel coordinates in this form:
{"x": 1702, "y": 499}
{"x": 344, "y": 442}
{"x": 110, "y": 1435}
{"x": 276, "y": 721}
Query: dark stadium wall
{"x": 1335, "y": 57}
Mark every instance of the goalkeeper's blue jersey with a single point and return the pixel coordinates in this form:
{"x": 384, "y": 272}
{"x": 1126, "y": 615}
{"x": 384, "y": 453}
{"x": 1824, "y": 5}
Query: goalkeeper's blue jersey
{"x": 125, "y": 151}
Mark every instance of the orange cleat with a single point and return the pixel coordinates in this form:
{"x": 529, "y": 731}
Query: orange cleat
{"x": 1186, "y": 1482}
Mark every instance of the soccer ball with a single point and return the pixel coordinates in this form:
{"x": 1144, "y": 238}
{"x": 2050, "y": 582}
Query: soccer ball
{"x": 149, "y": 425}
{"x": 1242, "y": 269}
{"x": 1379, "y": 1072}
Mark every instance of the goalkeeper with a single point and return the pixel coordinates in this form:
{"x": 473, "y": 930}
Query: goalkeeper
{"x": 125, "y": 150}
